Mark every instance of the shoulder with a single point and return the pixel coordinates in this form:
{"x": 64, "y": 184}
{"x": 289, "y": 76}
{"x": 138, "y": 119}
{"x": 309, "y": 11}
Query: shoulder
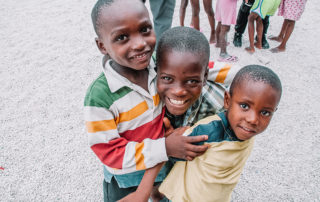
{"x": 100, "y": 95}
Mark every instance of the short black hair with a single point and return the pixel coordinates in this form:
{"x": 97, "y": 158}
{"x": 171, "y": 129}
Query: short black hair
{"x": 183, "y": 39}
{"x": 96, "y": 13}
{"x": 256, "y": 73}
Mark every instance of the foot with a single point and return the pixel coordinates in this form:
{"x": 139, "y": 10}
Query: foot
{"x": 275, "y": 38}
{"x": 218, "y": 45}
{"x": 213, "y": 38}
{"x": 250, "y": 49}
{"x": 257, "y": 45}
{"x": 228, "y": 58}
{"x": 237, "y": 39}
{"x": 277, "y": 49}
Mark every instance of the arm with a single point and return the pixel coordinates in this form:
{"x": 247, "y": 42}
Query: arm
{"x": 146, "y": 185}
{"x": 222, "y": 73}
{"x": 116, "y": 151}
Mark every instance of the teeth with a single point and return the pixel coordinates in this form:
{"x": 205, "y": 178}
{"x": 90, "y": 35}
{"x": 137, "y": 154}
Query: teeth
{"x": 177, "y": 102}
{"x": 247, "y": 129}
{"x": 140, "y": 56}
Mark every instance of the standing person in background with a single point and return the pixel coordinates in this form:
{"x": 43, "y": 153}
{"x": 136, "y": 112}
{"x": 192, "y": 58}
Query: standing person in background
{"x": 226, "y": 11}
{"x": 162, "y": 11}
{"x": 182, "y": 11}
{"x": 242, "y": 21}
{"x": 207, "y": 4}
{"x": 291, "y": 10}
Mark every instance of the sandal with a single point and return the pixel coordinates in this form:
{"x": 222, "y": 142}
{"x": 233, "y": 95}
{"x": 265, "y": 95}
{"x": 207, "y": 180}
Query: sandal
{"x": 230, "y": 58}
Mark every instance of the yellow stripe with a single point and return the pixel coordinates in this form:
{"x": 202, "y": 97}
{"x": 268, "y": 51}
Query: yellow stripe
{"x": 104, "y": 125}
{"x": 139, "y": 157}
{"x": 222, "y": 74}
{"x": 133, "y": 113}
{"x": 156, "y": 99}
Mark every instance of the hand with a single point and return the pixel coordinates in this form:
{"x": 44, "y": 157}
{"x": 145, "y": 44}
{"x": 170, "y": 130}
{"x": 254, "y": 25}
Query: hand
{"x": 167, "y": 126}
{"x": 181, "y": 146}
{"x": 138, "y": 196}
{"x": 156, "y": 196}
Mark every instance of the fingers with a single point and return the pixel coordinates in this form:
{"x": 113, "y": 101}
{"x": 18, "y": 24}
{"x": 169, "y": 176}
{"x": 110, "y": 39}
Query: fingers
{"x": 200, "y": 138}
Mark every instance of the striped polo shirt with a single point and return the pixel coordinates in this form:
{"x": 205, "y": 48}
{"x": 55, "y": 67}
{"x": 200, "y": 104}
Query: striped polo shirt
{"x": 125, "y": 123}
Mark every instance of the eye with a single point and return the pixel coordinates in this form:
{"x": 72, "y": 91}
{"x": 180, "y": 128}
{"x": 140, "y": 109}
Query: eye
{"x": 244, "y": 106}
{"x": 265, "y": 113}
{"x": 192, "y": 81}
{"x": 146, "y": 29}
{"x": 166, "y": 78}
{"x": 121, "y": 37}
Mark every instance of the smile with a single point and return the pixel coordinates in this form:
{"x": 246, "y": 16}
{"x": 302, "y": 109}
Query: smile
{"x": 177, "y": 102}
{"x": 141, "y": 56}
{"x": 248, "y": 130}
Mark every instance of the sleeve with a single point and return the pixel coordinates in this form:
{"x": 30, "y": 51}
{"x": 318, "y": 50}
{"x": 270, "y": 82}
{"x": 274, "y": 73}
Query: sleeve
{"x": 221, "y": 72}
{"x": 117, "y": 152}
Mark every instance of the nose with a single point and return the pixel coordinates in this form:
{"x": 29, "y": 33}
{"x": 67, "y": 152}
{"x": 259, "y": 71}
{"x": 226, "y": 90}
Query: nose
{"x": 252, "y": 118}
{"x": 179, "y": 90}
{"x": 138, "y": 43}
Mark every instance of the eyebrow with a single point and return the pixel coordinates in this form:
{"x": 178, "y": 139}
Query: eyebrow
{"x": 121, "y": 29}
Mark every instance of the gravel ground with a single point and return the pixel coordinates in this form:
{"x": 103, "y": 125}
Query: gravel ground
{"x": 48, "y": 59}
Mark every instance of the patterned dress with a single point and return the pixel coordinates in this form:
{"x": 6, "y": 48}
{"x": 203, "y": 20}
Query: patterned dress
{"x": 292, "y": 9}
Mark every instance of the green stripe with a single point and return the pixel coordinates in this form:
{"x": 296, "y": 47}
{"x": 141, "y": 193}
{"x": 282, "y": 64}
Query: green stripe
{"x": 100, "y": 95}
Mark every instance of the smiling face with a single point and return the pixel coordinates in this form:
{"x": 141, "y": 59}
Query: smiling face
{"x": 181, "y": 76}
{"x": 250, "y": 108}
{"x": 126, "y": 34}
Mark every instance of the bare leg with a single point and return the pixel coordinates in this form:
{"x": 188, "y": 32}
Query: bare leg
{"x": 218, "y": 30}
{"x": 182, "y": 12}
{"x": 289, "y": 30}
{"x": 222, "y": 40}
{"x": 252, "y": 17}
{"x": 207, "y": 4}
{"x": 195, "y": 14}
{"x": 258, "y": 44}
{"x": 280, "y": 37}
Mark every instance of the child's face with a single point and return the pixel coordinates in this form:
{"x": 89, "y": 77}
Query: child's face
{"x": 250, "y": 108}
{"x": 181, "y": 76}
{"x": 127, "y": 34}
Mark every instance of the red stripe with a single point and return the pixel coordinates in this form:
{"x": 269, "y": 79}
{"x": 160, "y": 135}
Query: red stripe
{"x": 153, "y": 130}
{"x": 111, "y": 153}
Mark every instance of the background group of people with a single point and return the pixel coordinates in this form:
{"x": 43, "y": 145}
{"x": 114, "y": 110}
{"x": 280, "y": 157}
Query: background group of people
{"x": 226, "y": 15}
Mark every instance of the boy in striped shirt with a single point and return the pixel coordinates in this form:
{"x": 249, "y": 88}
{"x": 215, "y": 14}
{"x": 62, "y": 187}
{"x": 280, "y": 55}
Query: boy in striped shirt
{"x": 123, "y": 111}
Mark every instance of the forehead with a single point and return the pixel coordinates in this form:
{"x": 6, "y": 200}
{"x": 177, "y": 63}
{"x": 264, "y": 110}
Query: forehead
{"x": 175, "y": 58}
{"x": 122, "y": 11}
{"x": 257, "y": 90}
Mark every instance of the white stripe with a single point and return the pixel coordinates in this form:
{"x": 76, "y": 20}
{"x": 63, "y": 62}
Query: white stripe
{"x": 129, "y": 156}
{"x": 102, "y": 137}
{"x": 97, "y": 114}
{"x": 154, "y": 152}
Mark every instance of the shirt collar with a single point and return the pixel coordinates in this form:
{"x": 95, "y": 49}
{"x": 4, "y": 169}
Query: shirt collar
{"x": 116, "y": 81}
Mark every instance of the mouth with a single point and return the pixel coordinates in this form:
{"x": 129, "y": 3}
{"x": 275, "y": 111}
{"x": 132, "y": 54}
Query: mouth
{"x": 177, "y": 102}
{"x": 247, "y": 130}
{"x": 141, "y": 57}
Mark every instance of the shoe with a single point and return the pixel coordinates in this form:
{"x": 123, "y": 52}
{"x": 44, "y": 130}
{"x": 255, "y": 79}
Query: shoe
{"x": 237, "y": 39}
{"x": 264, "y": 42}
{"x": 229, "y": 58}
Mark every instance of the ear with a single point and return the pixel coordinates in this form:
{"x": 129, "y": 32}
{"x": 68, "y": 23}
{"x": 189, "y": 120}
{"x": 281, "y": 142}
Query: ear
{"x": 227, "y": 100}
{"x": 101, "y": 46}
{"x": 205, "y": 76}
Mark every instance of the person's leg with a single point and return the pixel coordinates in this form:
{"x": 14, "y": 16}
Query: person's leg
{"x": 282, "y": 32}
{"x": 289, "y": 30}
{"x": 258, "y": 44}
{"x": 251, "y": 19}
{"x": 195, "y": 14}
{"x": 265, "y": 44}
{"x": 182, "y": 12}
{"x": 223, "y": 42}
{"x": 112, "y": 192}
{"x": 218, "y": 30}
{"x": 242, "y": 20}
{"x": 162, "y": 11}
{"x": 207, "y": 4}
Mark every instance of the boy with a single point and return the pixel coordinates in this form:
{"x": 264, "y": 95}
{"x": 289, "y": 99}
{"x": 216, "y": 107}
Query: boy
{"x": 123, "y": 112}
{"x": 180, "y": 70}
{"x": 259, "y": 10}
{"x": 253, "y": 98}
